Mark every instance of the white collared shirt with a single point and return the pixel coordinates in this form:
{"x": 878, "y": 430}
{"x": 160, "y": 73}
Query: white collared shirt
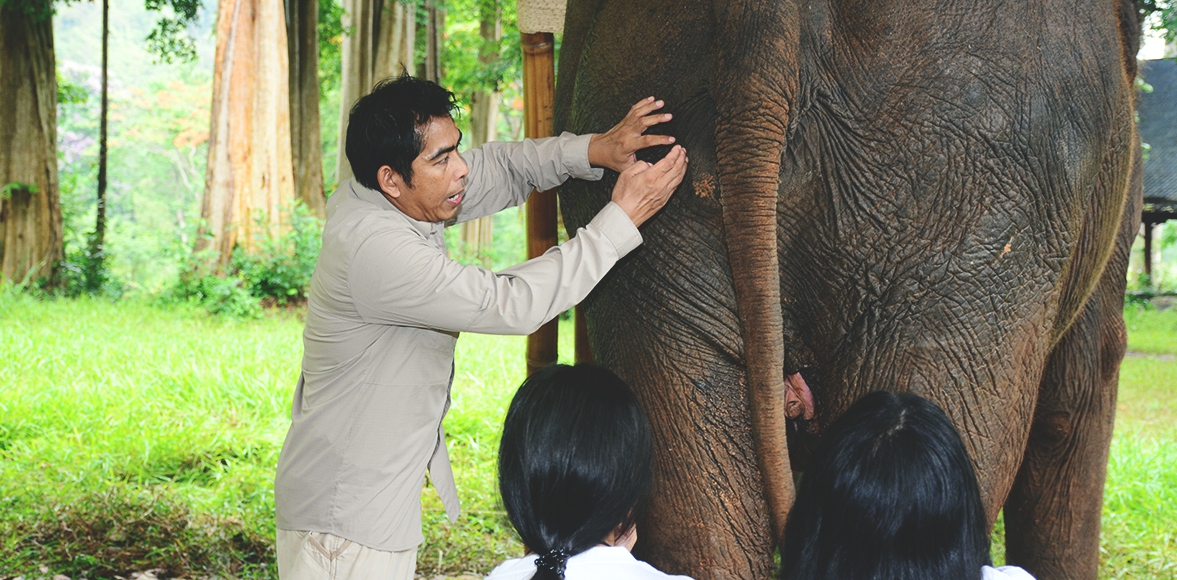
{"x": 597, "y": 563}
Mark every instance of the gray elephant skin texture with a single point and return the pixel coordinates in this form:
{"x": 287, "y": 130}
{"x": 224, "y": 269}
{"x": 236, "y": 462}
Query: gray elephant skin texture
{"x": 932, "y": 197}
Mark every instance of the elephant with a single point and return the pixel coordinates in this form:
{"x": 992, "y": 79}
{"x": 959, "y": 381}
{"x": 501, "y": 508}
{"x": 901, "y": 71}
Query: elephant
{"x": 929, "y": 197}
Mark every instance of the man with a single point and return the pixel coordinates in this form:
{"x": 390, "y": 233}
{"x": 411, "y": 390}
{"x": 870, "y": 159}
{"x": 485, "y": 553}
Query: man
{"x": 386, "y": 306}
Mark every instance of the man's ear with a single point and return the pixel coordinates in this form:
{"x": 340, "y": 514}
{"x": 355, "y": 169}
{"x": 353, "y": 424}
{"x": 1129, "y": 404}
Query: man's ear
{"x": 390, "y": 181}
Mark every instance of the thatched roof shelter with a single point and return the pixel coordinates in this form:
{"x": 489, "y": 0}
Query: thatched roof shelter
{"x": 1158, "y": 128}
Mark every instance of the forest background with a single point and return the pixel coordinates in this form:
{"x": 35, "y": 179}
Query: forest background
{"x": 144, "y": 403}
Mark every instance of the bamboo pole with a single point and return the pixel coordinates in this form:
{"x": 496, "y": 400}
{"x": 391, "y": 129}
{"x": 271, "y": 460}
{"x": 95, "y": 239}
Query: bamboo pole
{"x": 539, "y": 95}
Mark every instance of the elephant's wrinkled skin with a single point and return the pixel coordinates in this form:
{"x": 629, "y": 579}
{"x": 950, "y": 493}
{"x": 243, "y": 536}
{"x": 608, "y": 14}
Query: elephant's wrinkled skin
{"x": 935, "y": 197}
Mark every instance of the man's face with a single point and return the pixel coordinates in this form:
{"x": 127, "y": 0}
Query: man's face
{"x": 439, "y": 176}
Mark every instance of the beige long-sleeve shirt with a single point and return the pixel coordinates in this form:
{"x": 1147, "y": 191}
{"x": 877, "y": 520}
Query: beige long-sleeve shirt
{"x": 385, "y": 308}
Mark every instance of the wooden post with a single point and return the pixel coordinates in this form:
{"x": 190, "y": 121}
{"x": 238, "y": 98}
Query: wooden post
{"x": 539, "y": 95}
{"x": 1148, "y": 251}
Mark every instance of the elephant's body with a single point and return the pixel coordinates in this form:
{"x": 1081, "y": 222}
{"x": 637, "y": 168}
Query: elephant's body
{"x": 914, "y": 196}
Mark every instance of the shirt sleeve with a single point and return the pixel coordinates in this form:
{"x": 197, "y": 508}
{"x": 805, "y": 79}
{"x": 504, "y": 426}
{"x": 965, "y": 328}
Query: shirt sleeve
{"x": 503, "y": 174}
{"x": 398, "y": 278}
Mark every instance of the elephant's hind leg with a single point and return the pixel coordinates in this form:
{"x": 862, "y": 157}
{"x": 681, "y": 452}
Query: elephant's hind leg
{"x": 1052, "y": 516}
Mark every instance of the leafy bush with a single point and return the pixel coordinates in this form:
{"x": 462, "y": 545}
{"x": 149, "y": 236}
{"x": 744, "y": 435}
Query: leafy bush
{"x": 201, "y": 284}
{"x": 281, "y": 268}
{"x": 277, "y": 273}
{"x": 83, "y": 271}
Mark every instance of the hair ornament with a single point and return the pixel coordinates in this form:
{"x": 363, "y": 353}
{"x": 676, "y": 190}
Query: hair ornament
{"x": 553, "y": 560}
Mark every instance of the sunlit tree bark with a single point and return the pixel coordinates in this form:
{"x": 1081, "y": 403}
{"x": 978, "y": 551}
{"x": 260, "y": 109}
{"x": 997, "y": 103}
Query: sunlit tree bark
{"x": 302, "y": 24}
{"x": 30, "y": 210}
{"x": 377, "y": 43}
{"x": 249, "y": 160}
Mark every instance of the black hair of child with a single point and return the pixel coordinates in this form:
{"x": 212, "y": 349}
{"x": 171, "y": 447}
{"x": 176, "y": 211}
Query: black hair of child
{"x": 575, "y": 462}
{"x": 890, "y": 494}
{"x": 384, "y": 127}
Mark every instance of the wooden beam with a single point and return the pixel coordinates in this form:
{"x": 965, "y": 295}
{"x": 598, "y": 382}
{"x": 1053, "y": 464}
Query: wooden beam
{"x": 539, "y": 95}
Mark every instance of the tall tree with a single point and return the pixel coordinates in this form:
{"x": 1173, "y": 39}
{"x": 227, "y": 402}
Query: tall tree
{"x": 378, "y": 42}
{"x": 434, "y": 31}
{"x": 95, "y": 265}
{"x": 302, "y": 38}
{"x": 484, "y": 117}
{"x": 30, "y": 209}
{"x": 249, "y": 160}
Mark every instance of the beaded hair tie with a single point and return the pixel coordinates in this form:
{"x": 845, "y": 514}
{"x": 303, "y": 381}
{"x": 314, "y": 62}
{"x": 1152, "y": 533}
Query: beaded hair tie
{"x": 553, "y": 560}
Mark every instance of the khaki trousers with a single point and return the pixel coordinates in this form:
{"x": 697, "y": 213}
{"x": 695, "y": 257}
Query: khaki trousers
{"x": 321, "y": 556}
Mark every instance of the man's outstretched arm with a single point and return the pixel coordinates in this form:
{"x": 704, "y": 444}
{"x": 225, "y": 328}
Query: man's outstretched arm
{"x": 503, "y": 174}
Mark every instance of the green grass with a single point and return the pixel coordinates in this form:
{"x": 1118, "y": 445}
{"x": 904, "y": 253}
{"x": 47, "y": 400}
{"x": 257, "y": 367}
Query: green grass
{"x": 136, "y": 437}
{"x": 1151, "y": 331}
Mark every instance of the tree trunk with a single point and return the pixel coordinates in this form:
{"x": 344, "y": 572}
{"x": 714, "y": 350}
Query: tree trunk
{"x": 94, "y": 266}
{"x": 30, "y": 210}
{"x": 249, "y": 158}
{"x": 380, "y": 45}
{"x": 302, "y": 40}
{"x": 434, "y": 31}
{"x": 478, "y": 234}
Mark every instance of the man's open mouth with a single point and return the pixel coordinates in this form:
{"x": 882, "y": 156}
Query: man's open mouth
{"x": 454, "y": 199}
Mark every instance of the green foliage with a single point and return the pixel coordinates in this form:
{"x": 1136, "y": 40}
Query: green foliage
{"x": 35, "y": 10}
{"x": 83, "y": 272}
{"x": 330, "y": 70}
{"x": 330, "y": 45}
{"x": 280, "y": 270}
{"x": 465, "y": 48}
{"x": 1166, "y": 23}
{"x": 159, "y": 124}
{"x": 171, "y": 40}
{"x": 463, "y": 69}
{"x": 69, "y": 92}
{"x": 201, "y": 284}
{"x": 10, "y": 188}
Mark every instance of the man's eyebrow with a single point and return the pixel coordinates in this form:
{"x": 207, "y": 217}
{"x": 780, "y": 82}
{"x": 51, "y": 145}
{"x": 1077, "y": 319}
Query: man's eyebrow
{"x": 446, "y": 150}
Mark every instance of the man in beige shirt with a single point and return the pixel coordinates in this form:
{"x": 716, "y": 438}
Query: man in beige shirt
{"x": 386, "y": 305}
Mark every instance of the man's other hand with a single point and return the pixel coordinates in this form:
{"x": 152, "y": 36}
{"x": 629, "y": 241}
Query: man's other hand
{"x": 643, "y": 189}
{"x": 617, "y": 149}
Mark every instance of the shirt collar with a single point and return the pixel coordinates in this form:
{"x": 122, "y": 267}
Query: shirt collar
{"x": 377, "y": 199}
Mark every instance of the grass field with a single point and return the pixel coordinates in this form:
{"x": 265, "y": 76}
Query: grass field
{"x": 135, "y": 437}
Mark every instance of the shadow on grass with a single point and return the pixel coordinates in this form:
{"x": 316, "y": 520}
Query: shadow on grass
{"x": 124, "y": 530}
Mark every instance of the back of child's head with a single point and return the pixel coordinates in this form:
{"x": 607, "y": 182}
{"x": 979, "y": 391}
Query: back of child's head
{"x": 575, "y": 462}
{"x": 889, "y": 494}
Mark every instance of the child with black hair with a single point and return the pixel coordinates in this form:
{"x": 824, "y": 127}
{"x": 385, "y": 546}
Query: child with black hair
{"x": 575, "y": 463}
{"x": 890, "y": 495}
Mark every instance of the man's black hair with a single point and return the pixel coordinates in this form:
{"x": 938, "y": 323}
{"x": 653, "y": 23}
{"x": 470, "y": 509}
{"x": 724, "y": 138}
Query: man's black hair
{"x": 890, "y": 494}
{"x": 575, "y": 462}
{"x": 384, "y": 126}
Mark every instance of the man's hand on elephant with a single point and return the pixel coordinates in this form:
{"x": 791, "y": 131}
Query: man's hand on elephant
{"x": 643, "y": 189}
{"x": 617, "y": 149}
